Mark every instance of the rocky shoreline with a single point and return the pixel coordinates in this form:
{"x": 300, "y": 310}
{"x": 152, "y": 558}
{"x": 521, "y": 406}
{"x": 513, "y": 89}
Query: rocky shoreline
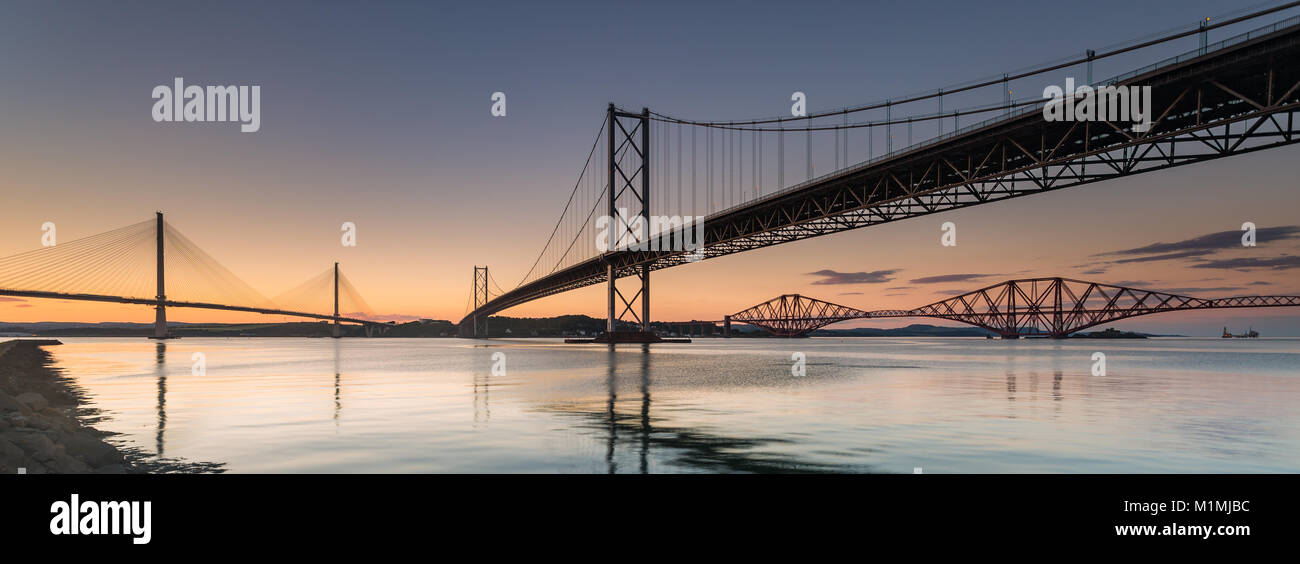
{"x": 40, "y": 430}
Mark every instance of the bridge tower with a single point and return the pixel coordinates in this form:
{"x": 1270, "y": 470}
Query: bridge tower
{"x": 628, "y": 158}
{"x": 480, "y": 297}
{"x": 336, "y": 331}
{"x": 160, "y": 317}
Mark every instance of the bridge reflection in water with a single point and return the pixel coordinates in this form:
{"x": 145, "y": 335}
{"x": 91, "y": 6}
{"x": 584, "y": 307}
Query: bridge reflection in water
{"x": 634, "y": 439}
{"x": 863, "y": 405}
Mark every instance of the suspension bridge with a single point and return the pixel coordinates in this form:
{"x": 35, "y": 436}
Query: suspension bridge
{"x": 1030, "y": 307}
{"x": 725, "y": 187}
{"x": 151, "y": 263}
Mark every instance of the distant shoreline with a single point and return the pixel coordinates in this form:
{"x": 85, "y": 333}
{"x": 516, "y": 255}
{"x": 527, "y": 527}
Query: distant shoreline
{"x": 501, "y": 327}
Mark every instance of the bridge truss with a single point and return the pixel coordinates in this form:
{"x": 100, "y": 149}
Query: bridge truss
{"x": 1031, "y": 307}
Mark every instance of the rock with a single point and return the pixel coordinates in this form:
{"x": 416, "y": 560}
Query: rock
{"x": 64, "y": 424}
{"x": 33, "y": 401}
{"x": 8, "y": 403}
{"x": 111, "y": 469}
{"x": 93, "y": 451}
{"x": 11, "y": 457}
{"x": 36, "y": 445}
{"x": 64, "y": 464}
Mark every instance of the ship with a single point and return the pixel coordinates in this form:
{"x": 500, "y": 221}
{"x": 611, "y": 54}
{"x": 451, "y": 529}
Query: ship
{"x": 1249, "y": 334}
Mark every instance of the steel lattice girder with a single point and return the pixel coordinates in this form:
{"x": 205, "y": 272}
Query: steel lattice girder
{"x": 1045, "y": 307}
{"x": 1237, "y": 100}
{"x": 791, "y": 314}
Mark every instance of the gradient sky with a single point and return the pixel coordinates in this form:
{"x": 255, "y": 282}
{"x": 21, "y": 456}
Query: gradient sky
{"x": 379, "y": 115}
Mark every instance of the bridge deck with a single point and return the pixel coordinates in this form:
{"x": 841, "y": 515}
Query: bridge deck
{"x": 173, "y": 303}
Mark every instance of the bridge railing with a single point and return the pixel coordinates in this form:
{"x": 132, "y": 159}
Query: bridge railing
{"x": 1216, "y": 46}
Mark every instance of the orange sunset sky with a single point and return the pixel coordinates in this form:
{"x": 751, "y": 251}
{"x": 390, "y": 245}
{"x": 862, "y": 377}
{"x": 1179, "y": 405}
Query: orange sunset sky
{"x": 392, "y": 132}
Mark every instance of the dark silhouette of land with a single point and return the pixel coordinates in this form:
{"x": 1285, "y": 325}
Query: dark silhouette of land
{"x": 498, "y": 327}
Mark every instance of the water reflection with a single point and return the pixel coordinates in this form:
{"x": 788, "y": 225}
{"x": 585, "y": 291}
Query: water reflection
{"x": 645, "y": 407}
{"x": 1011, "y": 389}
{"x": 482, "y": 396}
{"x": 872, "y": 405}
{"x": 338, "y": 385}
{"x": 158, "y": 463}
{"x": 612, "y": 411}
{"x": 160, "y": 372}
{"x": 679, "y": 446}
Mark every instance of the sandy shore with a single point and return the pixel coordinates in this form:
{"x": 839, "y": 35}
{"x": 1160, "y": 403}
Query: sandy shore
{"x": 39, "y": 427}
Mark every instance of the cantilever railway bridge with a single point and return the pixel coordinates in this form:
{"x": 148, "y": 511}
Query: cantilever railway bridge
{"x": 1224, "y": 98}
{"x": 1031, "y": 307}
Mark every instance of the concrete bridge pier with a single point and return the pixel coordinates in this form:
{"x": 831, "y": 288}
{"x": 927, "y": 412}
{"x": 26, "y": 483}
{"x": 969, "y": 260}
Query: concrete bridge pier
{"x": 160, "y": 322}
{"x": 160, "y": 310}
{"x": 336, "y": 331}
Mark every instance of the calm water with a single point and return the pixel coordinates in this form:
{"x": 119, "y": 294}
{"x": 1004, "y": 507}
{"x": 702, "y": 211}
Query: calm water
{"x": 865, "y": 405}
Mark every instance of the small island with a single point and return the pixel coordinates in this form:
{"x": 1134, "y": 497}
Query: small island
{"x": 1111, "y": 333}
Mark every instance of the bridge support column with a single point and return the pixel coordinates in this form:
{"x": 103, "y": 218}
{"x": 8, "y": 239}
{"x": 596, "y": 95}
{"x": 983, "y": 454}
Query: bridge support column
{"x": 160, "y": 322}
{"x": 160, "y": 310}
{"x": 480, "y": 297}
{"x": 726, "y": 326}
{"x": 336, "y": 331}
{"x": 628, "y": 154}
{"x": 645, "y": 297}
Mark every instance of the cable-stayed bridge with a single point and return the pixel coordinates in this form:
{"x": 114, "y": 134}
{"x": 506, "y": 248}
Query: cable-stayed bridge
{"x": 151, "y": 263}
{"x": 1030, "y": 307}
{"x": 741, "y": 185}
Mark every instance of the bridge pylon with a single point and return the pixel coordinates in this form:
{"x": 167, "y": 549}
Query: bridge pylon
{"x": 480, "y": 298}
{"x": 160, "y": 310}
{"x": 628, "y": 185}
{"x": 335, "y": 331}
